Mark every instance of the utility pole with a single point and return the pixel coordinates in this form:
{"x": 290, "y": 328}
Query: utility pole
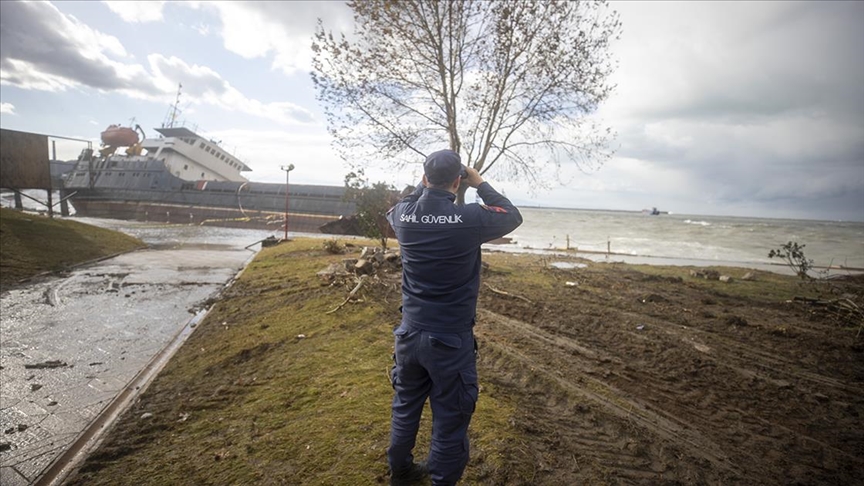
{"x": 287, "y": 168}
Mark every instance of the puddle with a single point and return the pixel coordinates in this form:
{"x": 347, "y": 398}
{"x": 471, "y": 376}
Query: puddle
{"x": 118, "y": 313}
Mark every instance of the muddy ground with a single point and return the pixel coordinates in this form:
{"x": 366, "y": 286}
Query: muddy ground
{"x": 625, "y": 377}
{"x": 602, "y": 374}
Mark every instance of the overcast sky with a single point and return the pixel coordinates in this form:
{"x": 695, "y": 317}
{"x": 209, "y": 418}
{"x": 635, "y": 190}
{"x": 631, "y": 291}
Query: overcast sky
{"x": 726, "y": 108}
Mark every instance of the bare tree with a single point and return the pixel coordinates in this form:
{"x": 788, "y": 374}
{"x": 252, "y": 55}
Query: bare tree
{"x": 508, "y": 84}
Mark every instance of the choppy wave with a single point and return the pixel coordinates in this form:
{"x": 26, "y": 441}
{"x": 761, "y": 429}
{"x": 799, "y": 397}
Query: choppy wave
{"x": 715, "y": 238}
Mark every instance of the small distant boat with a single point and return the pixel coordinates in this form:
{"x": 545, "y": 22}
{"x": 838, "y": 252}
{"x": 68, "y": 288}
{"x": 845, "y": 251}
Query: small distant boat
{"x": 119, "y": 136}
{"x": 653, "y": 212}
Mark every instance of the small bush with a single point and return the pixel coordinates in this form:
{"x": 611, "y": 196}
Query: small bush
{"x": 793, "y": 254}
{"x": 372, "y": 202}
{"x": 333, "y": 247}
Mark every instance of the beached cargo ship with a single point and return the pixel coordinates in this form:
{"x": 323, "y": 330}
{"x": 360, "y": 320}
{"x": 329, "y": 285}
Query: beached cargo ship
{"x": 181, "y": 177}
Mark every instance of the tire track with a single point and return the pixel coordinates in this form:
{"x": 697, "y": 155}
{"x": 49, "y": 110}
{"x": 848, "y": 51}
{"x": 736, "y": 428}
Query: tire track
{"x": 674, "y": 416}
{"x": 742, "y": 355}
{"x": 628, "y": 410}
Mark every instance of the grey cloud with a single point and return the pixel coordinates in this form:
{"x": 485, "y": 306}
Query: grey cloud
{"x": 718, "y": 165}
{"x": 771, "y": 115}
{"x": 40, "y": 48}
{"x": 288, "y": 111}
{"x": 802, "y": 56}
{"x": 35, "y": 33}
{"x": 298, "y": 113}
{"x": 728, "y": 172}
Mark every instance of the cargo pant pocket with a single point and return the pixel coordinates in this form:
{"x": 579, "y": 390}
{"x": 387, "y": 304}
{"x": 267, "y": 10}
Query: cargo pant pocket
{"x": 392, "y": 374}
{"x": 470, "y": 392}
{"x": 445, "y": 341}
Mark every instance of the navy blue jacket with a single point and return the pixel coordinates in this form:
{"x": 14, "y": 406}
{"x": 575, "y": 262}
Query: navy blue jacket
{"x": 440, "y": 246}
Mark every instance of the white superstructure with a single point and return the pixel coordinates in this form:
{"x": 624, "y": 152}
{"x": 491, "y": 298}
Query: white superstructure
{"x": 192, "y": 157}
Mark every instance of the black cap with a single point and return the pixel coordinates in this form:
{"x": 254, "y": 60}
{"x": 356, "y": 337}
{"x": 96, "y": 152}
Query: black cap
{"x": 443, "y": 167}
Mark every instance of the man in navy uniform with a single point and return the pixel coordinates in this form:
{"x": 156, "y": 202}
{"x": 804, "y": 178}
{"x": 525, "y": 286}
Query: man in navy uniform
{"x": 435, "y": 349}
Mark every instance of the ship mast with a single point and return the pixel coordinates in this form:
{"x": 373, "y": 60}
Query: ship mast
{"x": 174, "y": 109}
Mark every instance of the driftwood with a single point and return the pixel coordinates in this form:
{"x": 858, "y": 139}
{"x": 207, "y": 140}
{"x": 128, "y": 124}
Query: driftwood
{"x": 360, "y": 282}
{"x": 55, "y": 363}
{"x": 506, "y": 294}
{"x": 840, "y": 308}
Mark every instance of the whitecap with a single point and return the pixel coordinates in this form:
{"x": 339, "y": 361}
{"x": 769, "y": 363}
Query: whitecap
{"x": 700, "y": 223}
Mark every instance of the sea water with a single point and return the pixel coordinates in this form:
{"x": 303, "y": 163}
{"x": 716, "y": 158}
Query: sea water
{"x": 677, "y": 239}
{"x": 687, "y": 239}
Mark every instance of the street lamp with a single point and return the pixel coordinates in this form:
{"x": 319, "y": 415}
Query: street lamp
{"x": 287, "y": 168}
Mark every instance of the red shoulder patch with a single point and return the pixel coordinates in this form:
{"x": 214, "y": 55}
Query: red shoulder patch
{"x": 493, "y": 209}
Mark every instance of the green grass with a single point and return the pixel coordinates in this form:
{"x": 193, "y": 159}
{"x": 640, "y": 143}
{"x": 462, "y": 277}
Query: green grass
{"x": 32, "y": 244}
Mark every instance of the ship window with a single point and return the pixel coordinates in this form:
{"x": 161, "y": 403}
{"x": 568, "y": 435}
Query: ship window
{"x": 185, "y": 166}
{"x": 107, "y": 173}
{"x": 202, "y": 175}
{"x": 121, "y": 174}
{"x": 202, "y": 145}
{"x": 222, "y": 157}
{"x": 208, "y": 150}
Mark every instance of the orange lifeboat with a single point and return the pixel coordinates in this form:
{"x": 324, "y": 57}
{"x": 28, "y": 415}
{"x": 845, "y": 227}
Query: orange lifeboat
{"x": 118, "y": 136}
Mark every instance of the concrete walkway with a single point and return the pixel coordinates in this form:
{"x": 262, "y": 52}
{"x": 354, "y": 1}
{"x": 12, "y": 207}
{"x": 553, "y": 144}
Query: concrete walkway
{"x": 68, "y": 346}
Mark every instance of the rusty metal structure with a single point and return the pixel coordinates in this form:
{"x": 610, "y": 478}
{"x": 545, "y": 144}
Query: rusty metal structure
{"x": 25, "y": 164}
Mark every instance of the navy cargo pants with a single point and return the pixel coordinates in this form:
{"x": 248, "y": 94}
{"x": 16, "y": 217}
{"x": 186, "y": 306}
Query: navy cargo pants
{"x": 442, "y": 367}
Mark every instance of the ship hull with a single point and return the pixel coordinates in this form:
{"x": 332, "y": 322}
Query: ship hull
{"x": 199, "y": 215}
{"x": 142, "y": 189}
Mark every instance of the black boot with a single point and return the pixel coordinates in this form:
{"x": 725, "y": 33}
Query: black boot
{"x": 412, "y": 475}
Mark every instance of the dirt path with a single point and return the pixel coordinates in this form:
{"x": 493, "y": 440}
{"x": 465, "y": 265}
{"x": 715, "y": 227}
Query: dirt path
{"x": 678, "y": 386}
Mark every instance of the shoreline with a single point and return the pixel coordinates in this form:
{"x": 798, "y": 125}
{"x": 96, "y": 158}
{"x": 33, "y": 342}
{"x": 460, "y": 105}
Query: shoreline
{"x": 598, "y": 256}
{"x": 660, "y": 260}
